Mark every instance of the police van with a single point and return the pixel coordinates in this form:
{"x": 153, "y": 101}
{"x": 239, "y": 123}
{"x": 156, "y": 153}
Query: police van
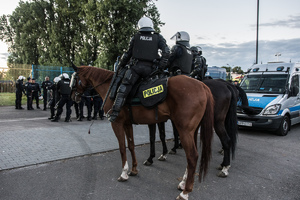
{"x": 273, "y": 95}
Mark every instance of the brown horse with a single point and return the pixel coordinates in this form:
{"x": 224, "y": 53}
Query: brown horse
{"x": 189, "y": 104}
{"x": 225, "y": 124}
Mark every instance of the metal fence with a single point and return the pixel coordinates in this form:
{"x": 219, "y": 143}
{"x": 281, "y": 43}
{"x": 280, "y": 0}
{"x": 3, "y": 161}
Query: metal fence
{"x": 8, "y": 76}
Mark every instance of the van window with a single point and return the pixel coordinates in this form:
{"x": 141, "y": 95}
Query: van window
{"x": 265, "y": 83}
{"x": 295, "y": 85}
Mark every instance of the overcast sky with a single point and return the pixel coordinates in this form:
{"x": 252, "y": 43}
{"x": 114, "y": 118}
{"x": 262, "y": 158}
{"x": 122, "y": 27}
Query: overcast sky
{"x": 225, "y": 29}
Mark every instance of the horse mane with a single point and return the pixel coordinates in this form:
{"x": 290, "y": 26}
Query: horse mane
{"x": 95, "y": 73}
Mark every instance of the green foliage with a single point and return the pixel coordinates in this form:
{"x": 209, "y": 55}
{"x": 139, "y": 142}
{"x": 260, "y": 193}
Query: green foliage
{"x": 86, "y": 32}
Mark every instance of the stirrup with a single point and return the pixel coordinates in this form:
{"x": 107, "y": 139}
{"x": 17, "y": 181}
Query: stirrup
{"x": 113, "y": 116}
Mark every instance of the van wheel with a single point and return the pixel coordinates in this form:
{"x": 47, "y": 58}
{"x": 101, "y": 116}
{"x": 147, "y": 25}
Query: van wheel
{"x": 284, "y": 126}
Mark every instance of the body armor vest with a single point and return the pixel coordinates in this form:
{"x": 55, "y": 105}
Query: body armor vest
{"x": 145, "y": 46}
{"x": 64, "y": 86}
{"x": 184, "y": 62}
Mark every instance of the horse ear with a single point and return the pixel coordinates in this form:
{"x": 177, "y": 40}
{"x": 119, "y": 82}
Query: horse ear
{"x": 74, "y": 67}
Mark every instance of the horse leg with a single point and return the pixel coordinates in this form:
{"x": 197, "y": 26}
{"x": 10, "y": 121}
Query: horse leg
{"x": 190, "y": 148}
{"x": 130, "y": 142}
{"x": 162, "y": 135}
{"x": 152, "y": 131}
{"x": 119, "y": 132}
{"x": 176, "y": 140}
{"x": 226, "y": 145}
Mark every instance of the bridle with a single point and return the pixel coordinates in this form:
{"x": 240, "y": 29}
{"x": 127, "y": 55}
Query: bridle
{"x": 74, "y": 88}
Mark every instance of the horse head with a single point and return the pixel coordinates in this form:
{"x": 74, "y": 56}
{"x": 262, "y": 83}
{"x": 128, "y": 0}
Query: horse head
{"x": 78, "y": 85}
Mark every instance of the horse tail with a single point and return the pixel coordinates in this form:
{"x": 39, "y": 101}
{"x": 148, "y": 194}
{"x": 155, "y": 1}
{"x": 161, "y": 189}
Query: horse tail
{"x": 206, "y": 134}
{"x": 231, "y": 119}
{"x": 243, "y": 101}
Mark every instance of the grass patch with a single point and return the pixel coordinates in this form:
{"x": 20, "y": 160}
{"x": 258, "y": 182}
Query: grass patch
{"x": 9, "y": 99}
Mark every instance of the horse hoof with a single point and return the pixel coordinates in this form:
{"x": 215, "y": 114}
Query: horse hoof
{"x": 131, "y": 173}
{"x": 162, "y": 157}
{"x": 121, "y": 179}
{"x": 222, "y": 174}
{"x": 182, "y": 196}
{"x": 172, "y": 152}
{"x": 147, "y": 163}
{"x": 181, "y": 186}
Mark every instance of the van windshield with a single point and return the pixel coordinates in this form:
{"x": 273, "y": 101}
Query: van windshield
{"x": 265, "y": 83}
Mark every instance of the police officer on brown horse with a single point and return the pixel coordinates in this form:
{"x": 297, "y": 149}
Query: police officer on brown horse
{"x": 180, "y": 61}
{"x": 141, "y": 55}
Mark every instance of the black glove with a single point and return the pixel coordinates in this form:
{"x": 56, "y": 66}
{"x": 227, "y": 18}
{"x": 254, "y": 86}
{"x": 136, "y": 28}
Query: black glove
{"x": 163, "y": 63}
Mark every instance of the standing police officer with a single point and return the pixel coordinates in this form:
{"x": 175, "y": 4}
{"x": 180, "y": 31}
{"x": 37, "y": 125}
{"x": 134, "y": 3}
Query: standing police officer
{"x": 142, "y": 53}
{"x": 199, "y": 64}
{"x": 46, "y": 86}
{"x": 36, "y": 90}
{"x": 180, "y": 61}
{"x": 19, "y": 91}
{"x": 64, "y": 89}
{"x": 54, "y": 97}
{"x": 28, "y": 88}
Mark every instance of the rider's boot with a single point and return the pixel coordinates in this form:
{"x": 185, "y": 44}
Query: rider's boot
{"x": 120, "y": 100}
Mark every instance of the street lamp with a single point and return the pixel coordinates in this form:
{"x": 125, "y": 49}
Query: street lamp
{"x": 229, "y": 71}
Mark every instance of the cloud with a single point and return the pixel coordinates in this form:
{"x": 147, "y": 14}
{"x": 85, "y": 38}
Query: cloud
{"x": 244, "y": 54}
{"x": 291, "y": 22}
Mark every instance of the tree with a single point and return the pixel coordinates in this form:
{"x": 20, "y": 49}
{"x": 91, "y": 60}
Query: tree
{"x": 58, "y": 32}
{"x": 237, "y": 70}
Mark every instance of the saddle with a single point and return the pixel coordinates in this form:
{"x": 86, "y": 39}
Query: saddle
{"x": 149, "y": 92}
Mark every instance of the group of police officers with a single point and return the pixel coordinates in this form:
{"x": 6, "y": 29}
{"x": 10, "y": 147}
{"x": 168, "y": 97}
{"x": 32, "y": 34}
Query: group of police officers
{"x": 56, "y": 95}
{"x": 140, "y": 60}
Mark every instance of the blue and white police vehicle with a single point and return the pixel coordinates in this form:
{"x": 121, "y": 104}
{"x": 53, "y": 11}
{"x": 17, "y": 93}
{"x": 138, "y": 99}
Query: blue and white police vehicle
{"x": 273, "y": 94}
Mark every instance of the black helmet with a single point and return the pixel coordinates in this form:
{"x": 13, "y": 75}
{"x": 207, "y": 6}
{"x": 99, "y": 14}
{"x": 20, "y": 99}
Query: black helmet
{"x": 194, "y": 50}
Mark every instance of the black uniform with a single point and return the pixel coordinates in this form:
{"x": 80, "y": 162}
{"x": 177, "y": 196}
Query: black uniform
{"x": 143, "y": 52}
{"x": 180, "y": 61}
{"x": 85, "y": 100}
{"x": 36, "y": 90}
{"x": 19, "y": 91}
{"x": 28, "y": 88}
{"x": 97, "y": 103}
{"x": 199, "y": 67}
{"x": 64, "y": 90}
{"x": 54, "y": 98}
{"x": 46, "y": 86}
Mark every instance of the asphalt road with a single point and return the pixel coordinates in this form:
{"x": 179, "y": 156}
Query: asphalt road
{"x": 266, "y": 166}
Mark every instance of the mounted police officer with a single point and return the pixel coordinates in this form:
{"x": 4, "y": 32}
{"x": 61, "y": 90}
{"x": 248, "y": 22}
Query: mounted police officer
{"x": 64, "y": 89}
{"x": 36, "y": 90}
{"x": 142, "y": 54}
{"x": 46, "y": 86}
{"x": 180, "y": 61}
{"x": 28, "y": 88}
{"x": 19, "y": 91}
{"x": 199, "y": 63}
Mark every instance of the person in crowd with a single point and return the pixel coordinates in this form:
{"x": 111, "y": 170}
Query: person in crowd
{"x": 142, "y": 54}
{"x": 64, "y": 90}
{"x": 96, "y": 104}
{"x": 36, "y": 91}
{"x": 46, "y": 86}
{"x": 199, "y": 64}
{"x": 180, "y": 61}
{"x": 85, "y": 101}
{"x": 54, "y": 97}
{"x": 28, "y": 88}
{"x": 19, "y": 91}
